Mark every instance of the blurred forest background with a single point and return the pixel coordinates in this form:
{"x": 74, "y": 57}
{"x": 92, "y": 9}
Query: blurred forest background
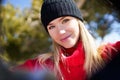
{"x": 22, "y": 35}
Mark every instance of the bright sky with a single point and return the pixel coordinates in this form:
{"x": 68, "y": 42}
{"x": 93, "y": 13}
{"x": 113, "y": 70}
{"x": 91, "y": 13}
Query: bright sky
{"x": 19, "y": 3}
{"x": 112, "y": 37}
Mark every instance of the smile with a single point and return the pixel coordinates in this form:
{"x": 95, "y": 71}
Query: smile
{"x": 65, "y": 38}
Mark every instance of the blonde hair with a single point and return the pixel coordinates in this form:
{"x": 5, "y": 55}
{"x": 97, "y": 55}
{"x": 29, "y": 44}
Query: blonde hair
{"x": 93, "y": 59}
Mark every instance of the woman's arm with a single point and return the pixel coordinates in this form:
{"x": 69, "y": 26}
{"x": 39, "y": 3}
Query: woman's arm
{"x": 43, "y": 60}
{"x": 110, "y": 50}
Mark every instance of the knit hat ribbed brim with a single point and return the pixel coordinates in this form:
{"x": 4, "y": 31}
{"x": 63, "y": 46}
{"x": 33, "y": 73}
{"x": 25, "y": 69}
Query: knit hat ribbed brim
{"x": 52, "y": 9}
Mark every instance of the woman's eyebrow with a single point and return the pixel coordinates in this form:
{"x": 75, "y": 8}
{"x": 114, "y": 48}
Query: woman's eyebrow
{"x": 62, "y": 18}
{"x": 59, "y": 20}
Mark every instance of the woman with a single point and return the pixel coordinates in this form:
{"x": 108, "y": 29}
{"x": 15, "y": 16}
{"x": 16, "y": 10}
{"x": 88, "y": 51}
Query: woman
{"x": 75, "y": 55}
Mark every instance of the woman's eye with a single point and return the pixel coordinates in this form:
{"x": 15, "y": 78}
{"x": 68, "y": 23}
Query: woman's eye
{"x": 65, "y": 21}
{"x": 51, "y": 27}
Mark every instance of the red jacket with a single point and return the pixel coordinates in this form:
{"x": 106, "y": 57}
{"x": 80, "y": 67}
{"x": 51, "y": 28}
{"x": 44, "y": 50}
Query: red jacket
{"x": 72, "y": 69}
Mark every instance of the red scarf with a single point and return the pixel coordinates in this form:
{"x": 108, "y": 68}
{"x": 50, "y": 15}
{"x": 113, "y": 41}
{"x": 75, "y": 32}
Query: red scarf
{"x": 72, "y": 64}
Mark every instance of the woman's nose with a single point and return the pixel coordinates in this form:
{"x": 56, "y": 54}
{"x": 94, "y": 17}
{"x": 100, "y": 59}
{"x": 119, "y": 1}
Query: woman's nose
{"x": 61, "y": 29}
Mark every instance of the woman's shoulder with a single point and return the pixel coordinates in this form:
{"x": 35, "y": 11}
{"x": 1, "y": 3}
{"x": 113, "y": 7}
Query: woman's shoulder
{"x": 110, "y": 50}
{"x": 117, "y": 45}
{"x": 111, "y": 70}
{"x": 34, "y": 63}
{"x": 26, "y": 65}
{"x": 113, "y": 47}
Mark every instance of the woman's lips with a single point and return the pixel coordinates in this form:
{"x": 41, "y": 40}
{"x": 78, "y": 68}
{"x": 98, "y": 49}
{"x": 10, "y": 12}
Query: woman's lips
{"x": 65, "y": 38}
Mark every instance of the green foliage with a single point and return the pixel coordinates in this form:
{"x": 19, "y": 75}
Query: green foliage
{"x": 23, "y": 36}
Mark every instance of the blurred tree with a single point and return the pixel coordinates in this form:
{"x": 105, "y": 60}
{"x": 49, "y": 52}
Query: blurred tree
{"x": 1, "y": 30}
{"x": 95, "y": 12}
{"x": 23, "y": 35}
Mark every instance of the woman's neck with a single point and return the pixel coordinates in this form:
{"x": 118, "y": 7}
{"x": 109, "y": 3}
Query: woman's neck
{"x": 69, "y": 51}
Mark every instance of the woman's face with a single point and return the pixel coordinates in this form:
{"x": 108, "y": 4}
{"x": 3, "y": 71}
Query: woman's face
{"x": 64, "y": 31}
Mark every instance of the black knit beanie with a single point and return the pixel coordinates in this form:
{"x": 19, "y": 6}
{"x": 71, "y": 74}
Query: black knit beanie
{"x": 52, "y": 9}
